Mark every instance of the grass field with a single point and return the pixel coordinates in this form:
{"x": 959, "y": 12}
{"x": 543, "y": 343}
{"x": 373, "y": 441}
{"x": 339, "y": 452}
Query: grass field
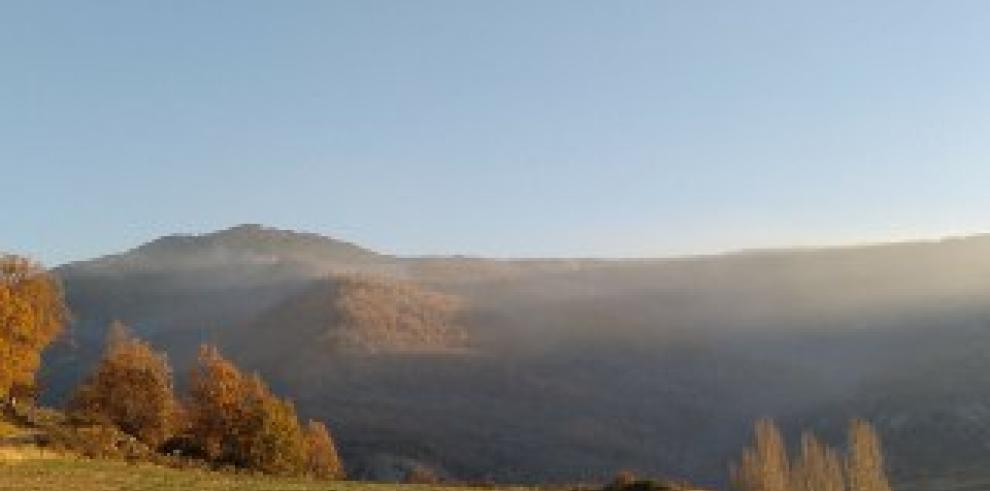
{"x": 34, "y": 472}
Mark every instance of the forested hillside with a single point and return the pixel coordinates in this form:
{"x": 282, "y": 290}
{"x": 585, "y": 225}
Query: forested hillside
{"x": 532, "y": 370}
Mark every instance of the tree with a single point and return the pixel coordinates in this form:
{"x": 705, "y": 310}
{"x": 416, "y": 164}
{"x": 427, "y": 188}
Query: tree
{"x": 237, "y": 420}
{"x": 216, "y": 405}
{"x": 817, "y": 468}
{"x": 131, "y": 388}
{"x": 322, "y": 460}
{"x": 32, "y": 314}
{"x": 764, "y": 466}
{"x": 864, "y": 461}
{"x": 272, "y": 439}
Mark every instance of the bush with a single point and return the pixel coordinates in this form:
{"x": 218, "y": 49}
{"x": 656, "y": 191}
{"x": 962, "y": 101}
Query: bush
{"x": 421, "y": 474}
{"x": 626, "y": 480}
{"x": 98, "y": 441}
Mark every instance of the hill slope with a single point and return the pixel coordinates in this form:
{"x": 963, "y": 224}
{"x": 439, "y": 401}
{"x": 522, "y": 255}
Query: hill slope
{"x": 576, "y": 368}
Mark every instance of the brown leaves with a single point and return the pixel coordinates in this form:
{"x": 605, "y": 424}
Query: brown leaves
{"x": 237, "y": 420}
{"x": 32, "y": 314}
{"x": 130, "y": 388}
{"x": 389, "y": 315}
{"x": 230, "y": 418}
{"x": 321, "y": 454}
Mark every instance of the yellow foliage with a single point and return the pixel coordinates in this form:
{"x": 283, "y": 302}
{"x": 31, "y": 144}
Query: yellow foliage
{"x": 32, "y": 314}
{"x": 390, "y": 315}
{"x": 130, "y": 388}
{"x": 236, "y": 420}
{"x": 321, "y": 455}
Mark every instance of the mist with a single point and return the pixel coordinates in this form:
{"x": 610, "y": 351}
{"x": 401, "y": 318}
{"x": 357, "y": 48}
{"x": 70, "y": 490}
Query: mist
{"x": 569, "y": 369}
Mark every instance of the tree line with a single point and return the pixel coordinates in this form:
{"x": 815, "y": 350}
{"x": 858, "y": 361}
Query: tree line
{"x": 226, "y": 418}
{"x": 766, "y": 466}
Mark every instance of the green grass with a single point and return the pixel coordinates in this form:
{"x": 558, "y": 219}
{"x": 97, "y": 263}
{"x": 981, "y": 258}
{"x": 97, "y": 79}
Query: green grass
{"x": 103, "y": 475}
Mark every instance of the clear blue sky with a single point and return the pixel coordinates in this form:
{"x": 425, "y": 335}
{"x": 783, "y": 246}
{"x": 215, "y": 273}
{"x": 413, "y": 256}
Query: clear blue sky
{"x": 503, "y": 128}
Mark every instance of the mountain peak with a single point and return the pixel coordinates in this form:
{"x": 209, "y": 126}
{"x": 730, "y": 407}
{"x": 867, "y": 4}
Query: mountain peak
{"x": 243, "y": 244}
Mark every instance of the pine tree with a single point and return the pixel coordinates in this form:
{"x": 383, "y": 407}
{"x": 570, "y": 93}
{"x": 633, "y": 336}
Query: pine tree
{"x": 864, "y": 461}
{"x": 32, "y": 314}
{"x": 131, "y": 388}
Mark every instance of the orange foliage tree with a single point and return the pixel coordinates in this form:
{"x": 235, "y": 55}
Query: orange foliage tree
{"x": 235, "y": 419}
{"x": 131, "y": 388}
{"x": 321, "y": 455}
{"x": 32, "y": 314}
{"x": 215, "y": 407}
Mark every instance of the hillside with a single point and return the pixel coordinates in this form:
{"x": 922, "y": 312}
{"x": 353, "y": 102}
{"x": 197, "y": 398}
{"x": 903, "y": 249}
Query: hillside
{"x": 574, "y": 368}
{"x": 350, "y": 314}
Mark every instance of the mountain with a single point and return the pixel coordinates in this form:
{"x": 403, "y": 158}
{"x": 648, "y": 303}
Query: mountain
{"x": 243, "y": 245}
{"x": 534, "y": 370}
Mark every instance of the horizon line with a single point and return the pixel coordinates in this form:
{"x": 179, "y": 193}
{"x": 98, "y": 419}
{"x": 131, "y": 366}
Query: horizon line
{"x": 755, "y": 250}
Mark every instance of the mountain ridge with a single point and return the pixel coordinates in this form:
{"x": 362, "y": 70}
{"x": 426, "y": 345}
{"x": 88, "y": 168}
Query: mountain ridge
{"x": 244, "y": 234}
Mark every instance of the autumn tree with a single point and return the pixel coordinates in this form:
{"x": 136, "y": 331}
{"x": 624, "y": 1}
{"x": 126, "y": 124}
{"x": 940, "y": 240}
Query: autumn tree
{"x": 271, "y": 439}
{"x": 236, "y": 419}
{"x": 864, "y": 460}
{"x": 817, "y": 468}
{"x": 131, "y": 388}
{"x": 764, "y": 466}
{"x": 216, "y": 408}
{"x": 32, "y": 314}
{"x": 321, "y": 455}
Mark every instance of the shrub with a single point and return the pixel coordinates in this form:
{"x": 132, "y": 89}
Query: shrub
{"x": 422, "y": 474}
{"x": 98, "y": 441}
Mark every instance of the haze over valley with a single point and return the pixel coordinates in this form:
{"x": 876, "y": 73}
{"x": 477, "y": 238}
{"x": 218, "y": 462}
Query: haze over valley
{"x": 562, "y": 370}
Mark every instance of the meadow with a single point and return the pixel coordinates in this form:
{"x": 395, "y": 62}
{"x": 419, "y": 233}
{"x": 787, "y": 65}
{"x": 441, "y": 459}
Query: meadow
{"x": 32, "y": 469}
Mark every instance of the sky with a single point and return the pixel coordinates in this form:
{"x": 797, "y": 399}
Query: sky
{"x": 502, "y": 128}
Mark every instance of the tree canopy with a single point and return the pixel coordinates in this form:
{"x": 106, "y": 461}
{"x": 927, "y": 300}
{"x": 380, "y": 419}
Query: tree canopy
{"x": 32, "y": 314}
{"x": 131, "y": 388}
